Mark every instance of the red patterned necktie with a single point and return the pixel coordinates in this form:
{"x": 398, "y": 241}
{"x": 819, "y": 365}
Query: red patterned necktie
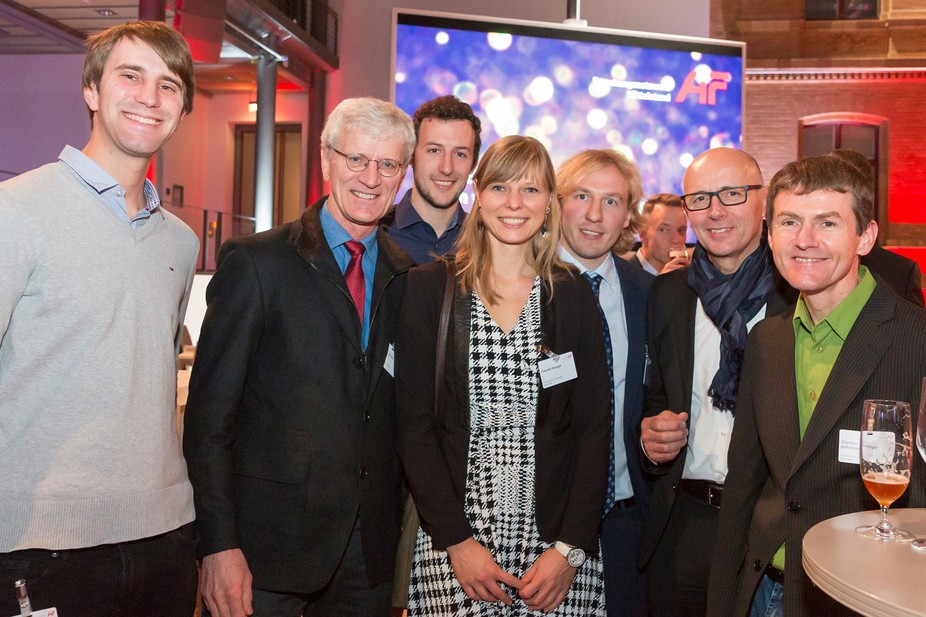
{"x": 353, "y": 276}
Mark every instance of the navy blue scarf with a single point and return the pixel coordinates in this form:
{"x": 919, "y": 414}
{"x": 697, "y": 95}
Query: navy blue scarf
{"x": 730, "y": 301}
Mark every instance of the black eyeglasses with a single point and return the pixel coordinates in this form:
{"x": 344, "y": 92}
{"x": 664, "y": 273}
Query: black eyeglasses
{"x": 730, "y": 196}
{"x": 358, "y": 162}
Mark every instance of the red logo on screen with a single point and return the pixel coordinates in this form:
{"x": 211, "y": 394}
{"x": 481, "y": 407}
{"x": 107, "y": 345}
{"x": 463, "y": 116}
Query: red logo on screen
{"x": 707, "y": 92}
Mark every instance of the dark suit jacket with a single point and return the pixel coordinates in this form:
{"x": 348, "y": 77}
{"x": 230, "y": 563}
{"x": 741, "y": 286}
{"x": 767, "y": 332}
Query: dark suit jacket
{"x": 902, "y": 275}
{"x": 780, "y": 485}
{"x": 290, "y": 425}
{"x": 635, "y": 287}
{"x": 670, "y": 342}
{"x": 571, "y": 436}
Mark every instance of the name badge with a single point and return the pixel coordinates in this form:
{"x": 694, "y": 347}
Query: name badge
{"x": 389, "y": 364}
{"x": 45, "y": 612}
{"x": 557, "y": 369}
{"x": 848, "y": 446}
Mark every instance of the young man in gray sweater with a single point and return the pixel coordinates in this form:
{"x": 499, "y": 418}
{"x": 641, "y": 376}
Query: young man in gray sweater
{"x": 95, "y": 504}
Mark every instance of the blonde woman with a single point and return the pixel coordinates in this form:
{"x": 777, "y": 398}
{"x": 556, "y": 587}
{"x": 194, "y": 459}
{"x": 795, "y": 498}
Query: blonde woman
{"x": 508, "y": 467}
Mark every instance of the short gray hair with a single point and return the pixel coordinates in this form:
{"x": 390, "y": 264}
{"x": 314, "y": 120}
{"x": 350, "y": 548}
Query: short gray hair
{"x": 375, "y": 117}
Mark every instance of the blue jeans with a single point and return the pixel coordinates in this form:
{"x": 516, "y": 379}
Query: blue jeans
{"x": 152, "y": 577}
{"x": 769, "y": 599}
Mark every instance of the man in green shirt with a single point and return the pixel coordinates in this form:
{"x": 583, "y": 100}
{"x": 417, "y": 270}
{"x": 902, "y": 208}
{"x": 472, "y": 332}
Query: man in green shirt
{"x": 805, "y": 376}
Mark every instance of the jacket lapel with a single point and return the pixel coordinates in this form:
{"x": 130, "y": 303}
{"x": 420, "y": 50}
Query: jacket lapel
{"x": 634, "y": 313}
{"x": 313, "y": 247}
{"x": 774, "y": 398}
{"x": 548, "y": 336}
{"x": 391, "y": 260}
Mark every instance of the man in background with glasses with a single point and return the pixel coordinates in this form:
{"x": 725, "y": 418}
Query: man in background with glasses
{"x": 290, "y": 423}
{"x": 794, "y": 454}
{"x": 698, "y": 319}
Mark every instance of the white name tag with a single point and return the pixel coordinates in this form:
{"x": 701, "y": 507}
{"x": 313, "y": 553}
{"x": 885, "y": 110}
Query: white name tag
{"x": 45, "y": 612}
{"x": 557, "y": 369}
{"x": 848, "y": 446}
{"x": 389, "y": 364}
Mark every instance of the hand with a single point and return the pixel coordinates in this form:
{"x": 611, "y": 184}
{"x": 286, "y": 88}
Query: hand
{"x": 225, "y": 581}
{"x": 664, "y": 435}
{"x": 547, "y": 581}
{"x": 675, "y": 264}
{"x": 478, "y": 573}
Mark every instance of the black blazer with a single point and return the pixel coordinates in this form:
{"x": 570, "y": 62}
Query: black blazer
{"x": 902, "y": 275}
{"x": 635, "y": 287}
{"x": 290, "y": 425}
{"x": 571, "y": 436}
{"x": 670, "y": 342}
{"x": 780, "y": 485}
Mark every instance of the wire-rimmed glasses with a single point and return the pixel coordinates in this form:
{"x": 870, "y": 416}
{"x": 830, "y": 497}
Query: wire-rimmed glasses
{"x": 358, "y": 162}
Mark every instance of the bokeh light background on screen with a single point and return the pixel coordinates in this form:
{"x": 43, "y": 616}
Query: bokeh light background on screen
{"x": 659, "y": 99}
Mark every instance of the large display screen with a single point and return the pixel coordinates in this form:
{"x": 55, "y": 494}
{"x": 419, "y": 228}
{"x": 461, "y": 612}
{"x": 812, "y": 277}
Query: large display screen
{"x": 659, "y": 99}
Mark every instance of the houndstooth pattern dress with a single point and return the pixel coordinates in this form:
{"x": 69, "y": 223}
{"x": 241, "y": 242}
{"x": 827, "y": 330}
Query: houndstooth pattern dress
{"x": 499, "y": 500}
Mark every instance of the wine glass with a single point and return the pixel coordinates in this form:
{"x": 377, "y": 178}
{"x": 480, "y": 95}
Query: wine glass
{"x": 886, "y": 450}
{"x": 920, "y": 545}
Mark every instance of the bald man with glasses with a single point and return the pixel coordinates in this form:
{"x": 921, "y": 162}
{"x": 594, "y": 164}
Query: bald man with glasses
{"x": 697, "y": 322}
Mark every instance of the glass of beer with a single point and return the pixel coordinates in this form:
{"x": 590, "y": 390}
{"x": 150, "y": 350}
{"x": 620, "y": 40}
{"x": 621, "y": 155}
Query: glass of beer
{"x": 885, "y": 456}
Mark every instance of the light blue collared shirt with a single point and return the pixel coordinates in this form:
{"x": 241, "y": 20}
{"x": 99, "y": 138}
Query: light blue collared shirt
{"x": 110, "y": 192}
{"x": 336, "y": 237}
{"x": 612, "y": 304}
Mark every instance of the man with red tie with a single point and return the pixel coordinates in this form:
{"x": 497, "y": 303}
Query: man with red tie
{"x": 290, "y": 423}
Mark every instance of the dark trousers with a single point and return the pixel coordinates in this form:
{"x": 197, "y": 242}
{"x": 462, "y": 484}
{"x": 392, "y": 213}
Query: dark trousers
{"x": 152, "y": 577}
{"x": 624, "y": 583}
{"x": 347, "y": 594}
{"x": 677, "y": 575}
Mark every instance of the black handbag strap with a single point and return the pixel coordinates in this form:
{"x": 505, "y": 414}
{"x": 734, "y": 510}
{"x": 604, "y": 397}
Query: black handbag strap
{"x": 443, "y": 330}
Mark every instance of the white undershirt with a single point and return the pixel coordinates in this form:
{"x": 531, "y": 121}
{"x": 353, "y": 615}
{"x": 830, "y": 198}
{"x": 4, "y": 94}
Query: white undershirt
{"x": 710, "y": 428}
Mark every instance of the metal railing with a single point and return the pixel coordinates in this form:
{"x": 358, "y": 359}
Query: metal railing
{"x": 212, "y": 228}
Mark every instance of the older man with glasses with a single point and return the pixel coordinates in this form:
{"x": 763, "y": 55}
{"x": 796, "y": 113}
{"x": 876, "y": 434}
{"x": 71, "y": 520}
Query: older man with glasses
{"x": 698, "y": 319}
{"x": 290, "y": 424}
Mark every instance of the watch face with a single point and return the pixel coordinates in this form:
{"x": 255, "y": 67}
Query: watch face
{"x": 576, "y": 557}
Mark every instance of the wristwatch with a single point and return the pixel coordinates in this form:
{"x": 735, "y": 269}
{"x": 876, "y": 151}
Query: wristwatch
{"x": 574, "y": 555}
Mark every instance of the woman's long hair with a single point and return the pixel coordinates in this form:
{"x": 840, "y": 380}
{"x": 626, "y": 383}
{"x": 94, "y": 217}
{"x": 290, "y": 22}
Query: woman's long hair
{"x": 509, "y": 159}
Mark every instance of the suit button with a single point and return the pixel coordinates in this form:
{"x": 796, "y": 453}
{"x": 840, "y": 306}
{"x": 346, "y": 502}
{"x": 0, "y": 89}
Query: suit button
{"x": 675, "y": 487}
{"x": 794, "y": 507}
{"x": 757, "y": 565}
{"x": 363, "y": 473}
{"x": 366, "y": 418}
{"x": 358, "y": 362}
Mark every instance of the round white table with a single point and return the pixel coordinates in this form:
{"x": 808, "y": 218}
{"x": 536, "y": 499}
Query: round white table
{"x": 878, "y": 579}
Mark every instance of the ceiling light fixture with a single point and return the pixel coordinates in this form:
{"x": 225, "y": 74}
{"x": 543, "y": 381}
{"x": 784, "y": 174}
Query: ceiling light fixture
{"x": 106, "y": 12}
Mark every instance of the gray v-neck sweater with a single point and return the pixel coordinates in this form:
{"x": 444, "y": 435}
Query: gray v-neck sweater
{"x": 90, "y": 312}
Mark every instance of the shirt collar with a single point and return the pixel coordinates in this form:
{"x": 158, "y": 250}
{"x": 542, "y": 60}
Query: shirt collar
{"x": 406, "y": 215}
{"x": 605, "y": 269}
{"x": 843, "y": 317}
{"x": 96, "y": 177}
{"x": 337, "y": 235}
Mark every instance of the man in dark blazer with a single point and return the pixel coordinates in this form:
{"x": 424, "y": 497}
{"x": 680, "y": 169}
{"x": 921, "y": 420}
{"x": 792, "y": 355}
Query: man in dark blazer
{"x": 598, "y": 190}
{"x": 290, "y": 430}
{"x": 805, "y": 377}
{"x": 697, "y": 322}
{"x": 902, "y": 275}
